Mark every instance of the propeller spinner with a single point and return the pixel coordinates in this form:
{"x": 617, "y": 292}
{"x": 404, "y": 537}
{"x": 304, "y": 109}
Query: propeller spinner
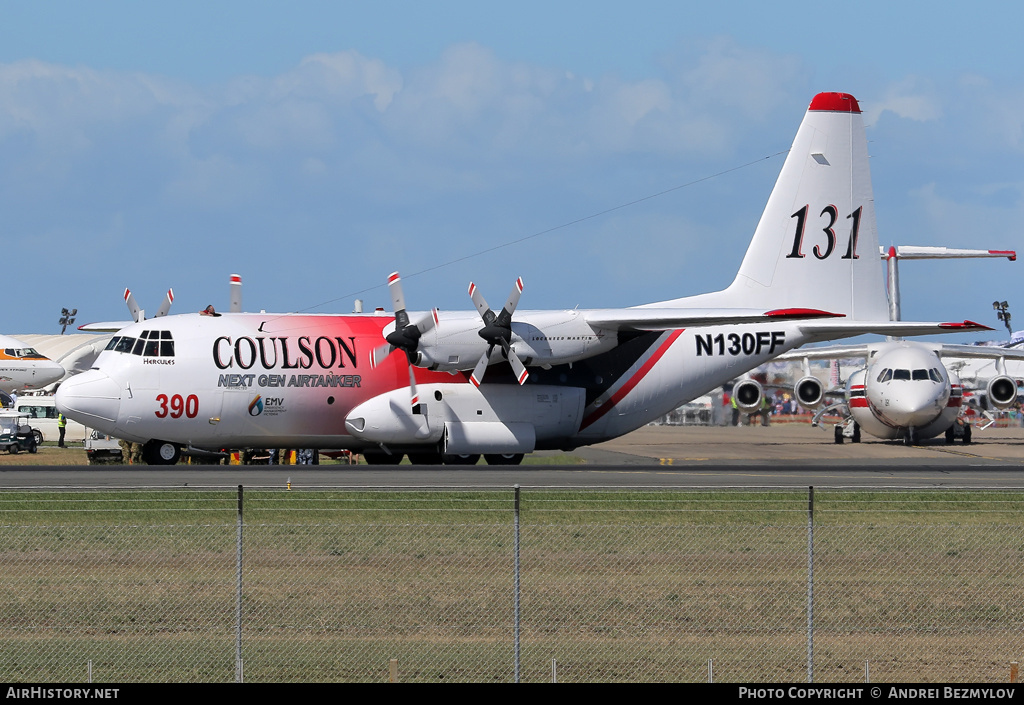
{"x": 497, "y": 330}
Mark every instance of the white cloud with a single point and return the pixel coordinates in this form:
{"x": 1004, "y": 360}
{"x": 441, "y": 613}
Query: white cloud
{"x": 907, "y": 99}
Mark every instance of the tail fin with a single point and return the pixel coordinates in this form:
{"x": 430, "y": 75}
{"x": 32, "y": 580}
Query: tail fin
{"x": 817, "y": 242}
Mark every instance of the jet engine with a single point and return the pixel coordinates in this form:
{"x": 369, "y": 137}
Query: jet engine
{"x": 747, "y": 394}
{"x": 809, "y": 392}
{"x": 1002, "y": 391}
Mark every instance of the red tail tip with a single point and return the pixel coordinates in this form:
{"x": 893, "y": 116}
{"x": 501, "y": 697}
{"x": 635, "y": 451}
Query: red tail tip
{"x": 835, "y": 102}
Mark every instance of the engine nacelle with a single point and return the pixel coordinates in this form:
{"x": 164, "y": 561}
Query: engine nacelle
{"x": 1001, "y": 391}
{"x": 809, "y": 392}
{"x": 747, "y": 394}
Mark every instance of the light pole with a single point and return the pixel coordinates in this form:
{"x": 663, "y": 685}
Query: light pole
{"x": 1003, "y": 314}
{"x": 66, "y": 318}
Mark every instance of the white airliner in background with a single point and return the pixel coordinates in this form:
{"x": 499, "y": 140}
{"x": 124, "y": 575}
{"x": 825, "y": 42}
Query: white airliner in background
{"x": 22, "y": 367}
{"x": 455, "y": 385}
{"x": 905, "y": 391}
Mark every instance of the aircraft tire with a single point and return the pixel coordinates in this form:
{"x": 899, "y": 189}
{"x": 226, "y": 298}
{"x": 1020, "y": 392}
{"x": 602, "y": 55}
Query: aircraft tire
{"x": 950, "y": 436}
{"x": 967, "y": 434}
{"x": 471, "y": 459}
{"x": 856, "y": 433}
{"x": 160, "y": 453}
{"x": 911, "y": 438}
{"x": 382, "y": 458}
{"x": 839, "y": 435}
{"x": 503, "y": 458}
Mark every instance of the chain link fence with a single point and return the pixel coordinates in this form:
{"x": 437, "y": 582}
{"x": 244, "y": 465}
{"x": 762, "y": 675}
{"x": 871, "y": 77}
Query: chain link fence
{"x": 496, "y": 586}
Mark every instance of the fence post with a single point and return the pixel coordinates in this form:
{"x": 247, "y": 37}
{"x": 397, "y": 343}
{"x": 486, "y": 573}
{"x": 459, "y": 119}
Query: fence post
{"x": 810, "y": 584}
{"x": 238, "y": 592}
{"x": 515, "y": 582}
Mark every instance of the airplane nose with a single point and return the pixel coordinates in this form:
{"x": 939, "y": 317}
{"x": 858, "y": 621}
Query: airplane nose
{"x": 911, "y": 409}
{"x": 91, "y": 398}
{"x": 49, "y": 373}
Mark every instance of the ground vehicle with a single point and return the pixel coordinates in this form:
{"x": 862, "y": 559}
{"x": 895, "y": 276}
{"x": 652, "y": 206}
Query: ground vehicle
{"x": 15, "y": 433}
{"x": 42, "y": 414}
{"x": 100, "y": 448}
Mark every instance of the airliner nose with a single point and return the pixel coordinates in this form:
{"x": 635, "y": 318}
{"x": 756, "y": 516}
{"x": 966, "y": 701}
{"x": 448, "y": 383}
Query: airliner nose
{"x": 913, "y": 408}
{"x": 91, "y": 398}
{"x": 47, "y": 373}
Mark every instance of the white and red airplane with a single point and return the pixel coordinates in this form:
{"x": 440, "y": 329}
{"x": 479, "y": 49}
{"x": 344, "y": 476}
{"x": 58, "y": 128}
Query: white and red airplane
{"x": 22, "y": 367}
{"x": 905, "y": 391}
{"x": 454, "y": 385}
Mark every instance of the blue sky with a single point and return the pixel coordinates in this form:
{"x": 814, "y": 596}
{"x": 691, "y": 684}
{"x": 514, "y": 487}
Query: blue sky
{"x": 314, "y": 147}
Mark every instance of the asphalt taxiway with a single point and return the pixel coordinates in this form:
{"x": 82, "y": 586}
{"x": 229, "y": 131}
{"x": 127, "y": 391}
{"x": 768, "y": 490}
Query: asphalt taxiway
{"x": 781, "y": 455}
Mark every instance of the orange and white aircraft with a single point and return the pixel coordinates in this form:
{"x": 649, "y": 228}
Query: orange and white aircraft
{"x": 22, "y": 367}
{"x": 452, "y": 386}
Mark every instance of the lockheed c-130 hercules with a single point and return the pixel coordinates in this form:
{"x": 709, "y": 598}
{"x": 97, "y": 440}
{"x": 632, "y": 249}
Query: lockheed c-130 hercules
{"x": 452, "y": 386}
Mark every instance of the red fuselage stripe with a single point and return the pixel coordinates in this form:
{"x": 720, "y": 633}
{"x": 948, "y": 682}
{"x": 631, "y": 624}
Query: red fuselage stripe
{"x": 632, "y": 382}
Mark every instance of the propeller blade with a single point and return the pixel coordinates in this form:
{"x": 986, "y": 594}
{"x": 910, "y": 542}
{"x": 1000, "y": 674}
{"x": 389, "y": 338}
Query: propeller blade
{"x": 415, "y": 397}
{"x": 379, "y": 353}
{"x": 398, "y": 300}
{"x": 166, "y": 305}
{"x": 481, "y": 304}
{"x": 481, "y": 367}
{"x": 236, "y": 294}
{"x": 505, "y": 317}
{"x": 129, "y": 299}
{"x": 428, "y": 323}
{"x": 517, "y": 366}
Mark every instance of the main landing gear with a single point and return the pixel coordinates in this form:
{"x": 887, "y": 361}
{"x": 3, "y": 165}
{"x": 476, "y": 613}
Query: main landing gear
{"x": 848, "y": 430}
{"x": 961, "y": 429}
{"x": 160, "y": 453}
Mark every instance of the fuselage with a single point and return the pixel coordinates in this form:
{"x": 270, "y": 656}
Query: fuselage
{"x": 904, "y": 387}
{"x": 264, "y": 380}
{"x": 22, "y": 367}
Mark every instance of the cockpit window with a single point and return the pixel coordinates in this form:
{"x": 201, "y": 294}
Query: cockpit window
{"x": 901, "y": 374}
{"x": 935, "y": 375}
{"x": 921, "y": 374}
{"x": 150, "y": 343}
{"x": 27, "y": 353}
{"x": 885, "y": 375}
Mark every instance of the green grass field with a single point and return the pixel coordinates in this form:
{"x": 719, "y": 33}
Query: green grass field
{"x": 616, "y": 585}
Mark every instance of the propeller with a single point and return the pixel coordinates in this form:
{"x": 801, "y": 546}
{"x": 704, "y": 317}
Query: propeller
{"x": 140, "y": 315}
{"x": 497, "y": 330}
{"x": 406, "y": 335}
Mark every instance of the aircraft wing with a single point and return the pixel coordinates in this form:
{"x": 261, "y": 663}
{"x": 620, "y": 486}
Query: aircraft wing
{"x": 828, "y": 352}
{"x": 841, "y": 329}
{"x": 984, "y": 352}
{"x": 661, "y": 319}
{"x": 105, "y": 326}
